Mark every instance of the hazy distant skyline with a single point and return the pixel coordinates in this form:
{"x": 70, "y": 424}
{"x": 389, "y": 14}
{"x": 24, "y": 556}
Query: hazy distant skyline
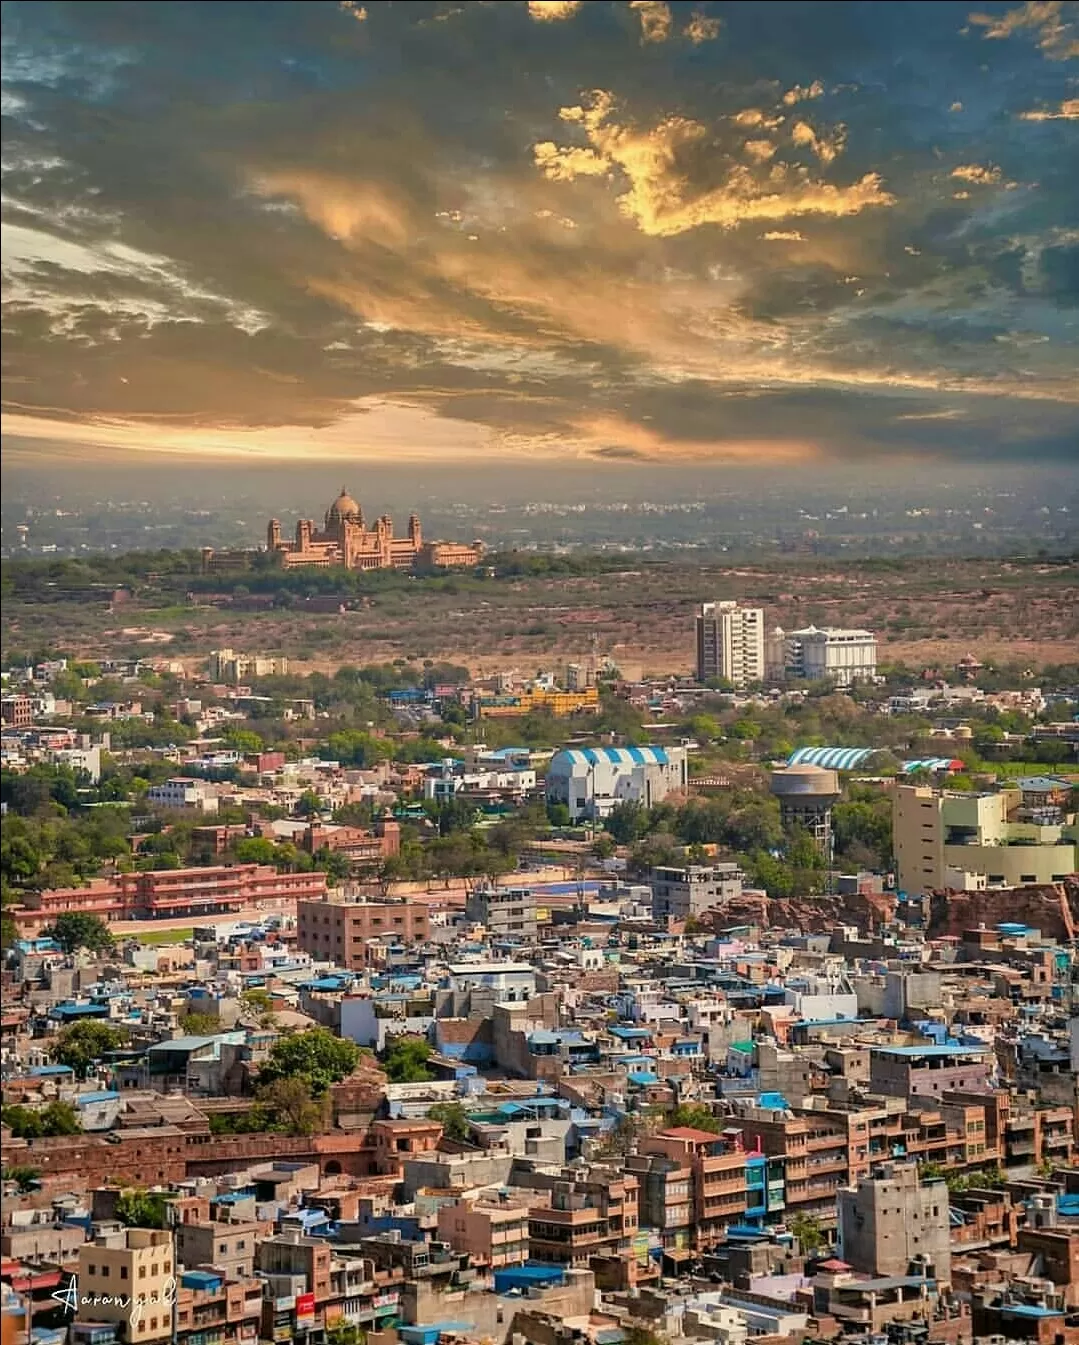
{"x": 495, "y": 231}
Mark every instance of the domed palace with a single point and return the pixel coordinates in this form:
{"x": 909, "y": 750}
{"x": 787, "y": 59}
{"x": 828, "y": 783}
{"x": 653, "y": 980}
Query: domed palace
{"x": 345, "y": 539}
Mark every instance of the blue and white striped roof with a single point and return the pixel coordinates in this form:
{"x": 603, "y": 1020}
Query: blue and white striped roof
{"x": 614, "y": 756}
{"x": 850, "y": 758}
{"x": 831, "y": 758}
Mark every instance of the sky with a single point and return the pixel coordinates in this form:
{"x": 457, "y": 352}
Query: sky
{"x": 790, "y": 234}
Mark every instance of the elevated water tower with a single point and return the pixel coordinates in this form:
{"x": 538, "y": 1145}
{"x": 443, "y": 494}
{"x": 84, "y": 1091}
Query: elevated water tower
{"x": 806, "y": 796}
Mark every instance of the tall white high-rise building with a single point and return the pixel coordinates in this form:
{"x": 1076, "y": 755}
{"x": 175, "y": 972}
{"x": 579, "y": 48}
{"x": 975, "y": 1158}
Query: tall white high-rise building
{"x": 730, "y": 643}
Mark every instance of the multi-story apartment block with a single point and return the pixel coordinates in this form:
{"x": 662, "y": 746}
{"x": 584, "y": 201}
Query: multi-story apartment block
{"x": 678, "y": 893}
{"x": 666, "y": 1196}
{"x": 183, "y": 795}
{"x": 968, "y": 841}
{"x": 341, "y": 931}
{"x": 227, "y": 665}
{"x": 584, "y": 1215}
{"x": 228, "y": 1246}
{"x": 718, "y": 1167}
{"x": 493, "y": 1232}
{"x": 894, "y": 1222}
{"x": 928, "y": 1071}
{"x": 129, "y": 1279}
{"x": 730, "y": 643}
{"x": 504, "y": 912}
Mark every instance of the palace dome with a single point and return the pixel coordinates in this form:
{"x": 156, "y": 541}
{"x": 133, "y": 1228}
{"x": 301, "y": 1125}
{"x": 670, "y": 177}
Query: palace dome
{"x": 343, "y": 507}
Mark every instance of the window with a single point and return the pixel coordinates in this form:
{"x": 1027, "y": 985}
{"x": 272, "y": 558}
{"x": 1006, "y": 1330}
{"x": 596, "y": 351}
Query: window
{"x": 142, "y": 1272}
{"x": 91, "y": 1270}
{"x": 123, "y": 1272}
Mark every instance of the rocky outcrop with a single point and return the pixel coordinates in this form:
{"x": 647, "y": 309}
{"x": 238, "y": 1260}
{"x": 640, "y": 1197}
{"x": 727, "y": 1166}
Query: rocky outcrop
{"x": 808, "y": 915}
{"x": 1053, "y": 909}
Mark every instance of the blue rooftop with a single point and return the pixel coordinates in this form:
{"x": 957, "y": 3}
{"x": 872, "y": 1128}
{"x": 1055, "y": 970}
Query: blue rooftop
{"x": 45, "y": 1071}
{"x": 88, "y": 1099}
{"x": 642, "y": 1079}
{"x": 913, "y": 1052}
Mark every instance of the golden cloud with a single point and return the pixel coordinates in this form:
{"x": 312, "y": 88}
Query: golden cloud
{"x": 783, "y": 236}
{"x": 760, "y": 150}
{"x": 356, "y": 10}
{"x": 659, "y": 197}
{"x": 617, "y": 434}
{"x": 701, "y": 28}
{"x": 827, "y": 148}
{"x": 1067, "y": 111}
{"x": 656, "y": 19}
{"x": 1045, "y": 20}
{"x": 982, "y": 176}
{"x": 801, "y": 92}
{"x": 550, "y": 11}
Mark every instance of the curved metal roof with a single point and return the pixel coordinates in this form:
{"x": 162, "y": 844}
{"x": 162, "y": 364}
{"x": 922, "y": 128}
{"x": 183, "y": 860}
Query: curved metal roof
{"x": 570, "y": 757}
{"x": 831, "y": 758}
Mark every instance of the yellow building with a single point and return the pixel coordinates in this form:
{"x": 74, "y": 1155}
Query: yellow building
{"x": 128, "y": 1278}
{"x": 585, "y": 701}
{"x": 968, "y": 841}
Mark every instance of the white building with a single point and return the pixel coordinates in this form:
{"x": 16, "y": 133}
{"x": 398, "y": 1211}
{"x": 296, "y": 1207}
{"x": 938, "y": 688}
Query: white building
{"x": 183, "y": 793}
{"x": 730, "y": 643}
{"x": 830, "y": 654}
{"x": 592, "y": 781}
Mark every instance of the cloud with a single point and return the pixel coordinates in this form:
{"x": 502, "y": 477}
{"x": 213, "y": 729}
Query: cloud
{"x": 983, "y": 176}
{"x": 550, "y": 11}
{"x": 661, "y": 196}
{"x": 275, "y": 235}
{"x": 1068, "y": 110}
{"x": 827, "y": 148}
{"x": 701, "y": 28}
{"x": 356, "y": 10}
{"x": 656, "y": 19}
{"x": 1047, "y": 21}
{"x": 801, "y": 92}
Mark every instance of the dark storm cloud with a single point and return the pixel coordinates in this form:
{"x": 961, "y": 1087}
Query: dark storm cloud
{"x": 602, "y": 228}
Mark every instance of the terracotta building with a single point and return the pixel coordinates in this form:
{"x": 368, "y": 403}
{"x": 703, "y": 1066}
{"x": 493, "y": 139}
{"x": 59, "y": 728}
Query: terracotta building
{"x": 345, "y": 539}
{"x": 162, "y": 893}
{"x": 338, "y": 930}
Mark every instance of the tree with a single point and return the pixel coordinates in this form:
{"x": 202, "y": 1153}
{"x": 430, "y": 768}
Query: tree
{"x": 254, "y": 850}
{"x": 295, "y": 1110}
{"x": 29, "y": 1123}
{"x": 316, "y": 1056}
{"x": 335, "y": 864}
{"x": 696, "y": 1116}
{"x": 23, "y": 1176}
{"x": 346, "y": 1333}
{"x": 82, "y": 1045}
{"x": 257, "y": 1000}
{"x": 142, "y": 1209}
{"x": 197, "y": 1024}
{"x": 603, "y": 847}
{"x": 77, "y": 929}
{"x": 453, "y": 1118}
{"x": 558, "y": 814}
{"x": 406, "y": 1060}
{"x": 807, "y": 1230}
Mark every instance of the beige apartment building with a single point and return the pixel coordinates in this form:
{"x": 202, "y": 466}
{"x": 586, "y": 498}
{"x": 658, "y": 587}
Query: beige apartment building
{"x": 129, "y": 1278}
{"x": 971, "y": 841}
{"x": 492, "y": 1231}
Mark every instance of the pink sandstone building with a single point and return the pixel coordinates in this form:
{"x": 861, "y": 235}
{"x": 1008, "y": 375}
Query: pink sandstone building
{"x": 346, "y": 540}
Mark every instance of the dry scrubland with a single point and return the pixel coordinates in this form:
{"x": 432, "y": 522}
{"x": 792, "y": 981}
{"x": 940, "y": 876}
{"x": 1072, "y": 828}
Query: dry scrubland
{"x": 925, "y": 612}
